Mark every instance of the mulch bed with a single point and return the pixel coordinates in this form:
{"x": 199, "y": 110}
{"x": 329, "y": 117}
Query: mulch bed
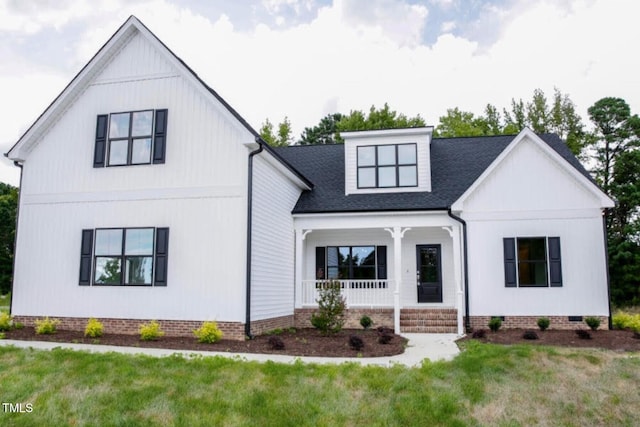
{"x": 611, "y": 340}
{"x": 299, "y": 342}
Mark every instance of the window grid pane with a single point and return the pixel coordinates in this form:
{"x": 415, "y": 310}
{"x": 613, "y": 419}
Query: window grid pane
{"x": 139, "y": 241}
{"x": 532, "y": 262}
{"x": 387, "y": 166}
{"x": 109, "y": 242}
{"x": 141, "y": 151}
{"x": 119, "y": 125}
{"x": 107, "y": 270}
{"x": 138, "y": 270}
{"x": 142, "y": 123}
{"x": 118, "y": 152}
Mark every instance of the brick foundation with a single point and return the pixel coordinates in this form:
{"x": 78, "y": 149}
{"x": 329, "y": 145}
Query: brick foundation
{"x": 530, "y": 322}
{"x": 380, "y": 317}
{"x": 176, "y": 328}
{"x": 259, "y": 327}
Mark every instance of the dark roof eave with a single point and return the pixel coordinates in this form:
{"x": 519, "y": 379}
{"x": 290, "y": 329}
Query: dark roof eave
{"x": 432, "y": 209}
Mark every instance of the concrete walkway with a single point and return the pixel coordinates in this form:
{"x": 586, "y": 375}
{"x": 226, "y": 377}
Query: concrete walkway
{"x": 421, "y": 346}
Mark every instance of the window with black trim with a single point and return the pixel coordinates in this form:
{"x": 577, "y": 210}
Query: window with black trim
{"x": 387, "y": 166}
{"x": 351, "y": 262}
{"x": 532, "y": 262}
{"x": 130, "y": 138}
{"x": 124, "y": 256}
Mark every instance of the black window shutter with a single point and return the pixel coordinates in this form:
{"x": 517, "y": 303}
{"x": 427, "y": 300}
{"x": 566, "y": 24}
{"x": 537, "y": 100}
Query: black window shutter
{"x": 381, "y": 255}
{"x": 510, "y": 267}
{"x": 321, "y": 272}
{"x": 555, "y": 264}
{"x": 100, "y": 150}
{"x": 86, "y": 249}
{"x": 160, "y": 136}
{"x": 162, "y": 256}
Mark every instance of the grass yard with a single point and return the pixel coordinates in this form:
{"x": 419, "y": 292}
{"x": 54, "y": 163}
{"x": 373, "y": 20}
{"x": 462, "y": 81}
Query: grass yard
{"x": 486, "y": 385}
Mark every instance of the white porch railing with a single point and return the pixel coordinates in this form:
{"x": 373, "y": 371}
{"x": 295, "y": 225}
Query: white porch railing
{"x": 357, "y": 293}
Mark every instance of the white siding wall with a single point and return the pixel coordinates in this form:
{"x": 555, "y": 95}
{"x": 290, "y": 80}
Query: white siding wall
{"x": 583, "y": 291}
{"x": 200, "y": 193}
{"x": 530, "y": 196}
{"x": 273, "y": 244}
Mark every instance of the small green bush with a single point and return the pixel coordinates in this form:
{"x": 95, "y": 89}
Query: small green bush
{"x": 329, "y": 317}
{"x": 366, "y": 322}
{"x": 150, "y": 331}
{"x": 46, "y": 326}
{"x": 495, "y": 323}
{"x": 624, "y": 320}
{"x": 94, "y": 328}
{"x": 276, "y": 331}
{"x": 208, "y": 333}
{"x": 2, "y": 335}
{"x": 592, "y": 322}
{"x": 543, "y": 323}
{"x": 5, "y": 321}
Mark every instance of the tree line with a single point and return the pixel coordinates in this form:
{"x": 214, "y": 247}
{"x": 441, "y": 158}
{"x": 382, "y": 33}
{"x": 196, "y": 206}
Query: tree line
{"x": 610, "y": 147}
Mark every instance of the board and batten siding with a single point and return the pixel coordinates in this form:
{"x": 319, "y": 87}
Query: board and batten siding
{"x": 199, "y": 193}
{"x": 529, "y": 195}
{"x": 273, "y": 241}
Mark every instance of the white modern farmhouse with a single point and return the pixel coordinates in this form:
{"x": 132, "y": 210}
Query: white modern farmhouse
{"x": 144, "y": 195}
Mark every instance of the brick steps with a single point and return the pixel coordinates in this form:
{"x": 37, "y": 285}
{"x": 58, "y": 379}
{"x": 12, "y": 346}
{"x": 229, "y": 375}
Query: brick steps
{"x": 434, "y": 321}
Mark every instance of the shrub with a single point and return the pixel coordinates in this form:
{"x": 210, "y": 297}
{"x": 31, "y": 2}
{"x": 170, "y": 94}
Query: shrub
{"x": 385, "y": 335}
{"x": 275, "y": 343}
{"x": 530, "y": 335}
{"x": 583, "y": 335}
{"x": 276, "y": 331}
{"x": 495, "y": 323}
{"x": 5, "y": 321}
{"x": 331, "y": 306}
{"x": 622, "y": 320}
{"x": 208, "y": 333}
{"x": 150, "y": 331}
{"x": 480, "y": 333}
{"x": 356, "y": 343}
{"x": 366, "y": 322}
{"x": 543, "y": 323}
{"x": 2, "y": 335}
{"x": 94, "y": 328}
{"x": 46, "y": 326}
{"x": 592, "y": 322}
{"x": 385, "y": 338}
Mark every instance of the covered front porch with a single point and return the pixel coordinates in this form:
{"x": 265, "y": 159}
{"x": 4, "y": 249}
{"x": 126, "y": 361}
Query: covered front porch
{"x": 407, "y": 263}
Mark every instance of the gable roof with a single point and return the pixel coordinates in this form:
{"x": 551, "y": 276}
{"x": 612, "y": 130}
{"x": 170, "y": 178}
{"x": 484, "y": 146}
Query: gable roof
{"x": 456, "y": 164}
{"x": 84, "y": 77}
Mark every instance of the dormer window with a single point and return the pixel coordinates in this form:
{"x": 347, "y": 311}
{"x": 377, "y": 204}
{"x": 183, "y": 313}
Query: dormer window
{"x": 387, "y": 166}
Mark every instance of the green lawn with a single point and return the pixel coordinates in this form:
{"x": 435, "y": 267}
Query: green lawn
{"x": 485, "y": 385}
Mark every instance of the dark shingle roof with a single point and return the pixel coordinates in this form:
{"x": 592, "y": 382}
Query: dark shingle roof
{"x": 455, "y": 164}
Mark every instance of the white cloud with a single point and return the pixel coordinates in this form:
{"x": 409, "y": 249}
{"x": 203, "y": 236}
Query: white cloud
{"x": 447, "y": 26}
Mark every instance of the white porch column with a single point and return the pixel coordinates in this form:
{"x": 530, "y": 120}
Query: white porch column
{"x": 299, "y": 263}
{"x": 397, "y": 233}
{"x": 456, "y": 238}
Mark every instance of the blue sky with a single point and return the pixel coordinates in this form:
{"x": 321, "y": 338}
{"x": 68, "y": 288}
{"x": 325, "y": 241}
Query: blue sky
{"x": 307, "y": 58}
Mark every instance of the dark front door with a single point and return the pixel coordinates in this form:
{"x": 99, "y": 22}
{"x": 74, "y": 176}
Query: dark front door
{"x": 429, "y": 275}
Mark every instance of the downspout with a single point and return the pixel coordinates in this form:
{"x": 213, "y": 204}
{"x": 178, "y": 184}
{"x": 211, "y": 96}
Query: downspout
{"x": 467, "y": 321}
{"x": 247, "y": 323}
{"x": 606, "y": 262}
{"x": 15, "y": 238}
